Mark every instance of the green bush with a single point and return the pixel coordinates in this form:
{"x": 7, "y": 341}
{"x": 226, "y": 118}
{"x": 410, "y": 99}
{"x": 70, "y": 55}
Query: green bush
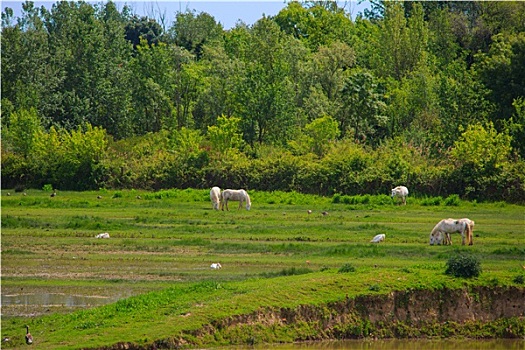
{"x": 465, "y": 266}
{"x": 346, "y": 268}
{"x": 519, "y": 279}
{"x": 452, "y": 200}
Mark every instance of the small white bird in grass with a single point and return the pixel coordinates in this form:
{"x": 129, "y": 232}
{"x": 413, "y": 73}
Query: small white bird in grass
{"x": 103, "y": 235}
{"x": 216, "y": 266}
{"x": 309, "y": 211}
{"x": 378, "y": 238}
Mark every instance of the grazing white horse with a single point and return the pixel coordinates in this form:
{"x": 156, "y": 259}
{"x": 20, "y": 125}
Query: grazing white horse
{"x": 378, "y": 238}
{"x": 215, "y": 196}
{"x": 441, "y": 232}
{"x": 235, "y": 195}
{"x": 216, "y": 266}
{"x": 400, "y": 192}
{"x": 103, "y": 235}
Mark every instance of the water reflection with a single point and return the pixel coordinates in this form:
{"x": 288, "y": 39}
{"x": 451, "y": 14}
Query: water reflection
{"x": 400, "y": 344}
{"x": 34, "y": 304}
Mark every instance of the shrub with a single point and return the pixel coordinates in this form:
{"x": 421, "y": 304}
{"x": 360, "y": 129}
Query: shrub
{"x": 452, "y": 200}
{"x": 374, "y": 288}
{"x": 433, "y": 201}
{"x": 346, "y": 268}
{"x": 463, "y": 266}
{"x": 519, "y": 279}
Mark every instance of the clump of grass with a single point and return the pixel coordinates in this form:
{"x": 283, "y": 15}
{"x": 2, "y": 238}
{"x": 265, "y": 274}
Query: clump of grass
{"x": 465, "y": 266}
{"x": 346, "y": 268}
{"x": 374, "y": 288}
{"x": 433, "y": 201}
{"x": 287, "y": 272}
{"x": 519, "y": 279}
{"x": 452, "y": 200}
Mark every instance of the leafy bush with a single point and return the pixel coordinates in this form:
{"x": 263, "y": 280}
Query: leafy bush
{"x": 374, "y": 288}
{"x": 452, "y": 200}
{"x": 346, "y": 268}
{"x": 519, "y": 279}
{"x": 463, "y": 266}
{"x": 433, "y": 201}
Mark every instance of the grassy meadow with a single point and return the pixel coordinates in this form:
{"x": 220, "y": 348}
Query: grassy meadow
{"x": 155, "y": 268}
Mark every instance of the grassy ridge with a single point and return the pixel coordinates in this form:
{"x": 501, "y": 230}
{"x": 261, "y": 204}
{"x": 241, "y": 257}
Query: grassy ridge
{"x": 162, "y": 244}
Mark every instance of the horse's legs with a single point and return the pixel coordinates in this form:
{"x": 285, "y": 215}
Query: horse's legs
{"x": 448, "y": 239}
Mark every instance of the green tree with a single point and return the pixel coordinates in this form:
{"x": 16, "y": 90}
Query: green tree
{"x": 482, "y": 148}
{"x": 226, "y": 135}
{"x": 264, "y": 93}
{"x": 316, "y": 23}
{"x": 193, "y": 31}
{"x": 143, "y": 28}
{"x": 22, "y": 131}
{"x": 321, "y": 132}
{"x": 502, "y": 71}
{"x": 364, "y": 108}
{"x": 402, "y": 42}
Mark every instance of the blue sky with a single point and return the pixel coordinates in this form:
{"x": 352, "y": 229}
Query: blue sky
{"x": 225, "y": 12}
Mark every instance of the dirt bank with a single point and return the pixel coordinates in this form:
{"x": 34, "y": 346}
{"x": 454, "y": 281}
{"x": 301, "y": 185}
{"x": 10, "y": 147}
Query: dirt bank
{"x": 480, "y": 312}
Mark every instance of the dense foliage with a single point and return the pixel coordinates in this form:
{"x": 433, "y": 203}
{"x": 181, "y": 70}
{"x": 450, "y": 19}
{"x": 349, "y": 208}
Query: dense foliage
{"x": 463, "y": 266}
{"x": 428, "y": 94}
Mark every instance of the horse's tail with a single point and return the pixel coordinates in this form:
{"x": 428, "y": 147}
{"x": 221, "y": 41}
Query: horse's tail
{"x": 470, "y": 232}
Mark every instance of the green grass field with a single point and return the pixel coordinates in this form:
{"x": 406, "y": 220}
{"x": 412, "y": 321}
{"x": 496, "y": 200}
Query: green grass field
{"x": 275, "y": 255}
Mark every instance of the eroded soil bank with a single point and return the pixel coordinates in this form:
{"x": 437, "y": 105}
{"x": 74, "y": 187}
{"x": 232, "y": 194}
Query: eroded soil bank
{"x": 477, "y": 312}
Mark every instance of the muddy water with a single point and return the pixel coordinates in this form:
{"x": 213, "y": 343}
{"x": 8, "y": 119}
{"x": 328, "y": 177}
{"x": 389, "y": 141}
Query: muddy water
{"x": 39, "y": 303}
{"x": 401, "y": 344}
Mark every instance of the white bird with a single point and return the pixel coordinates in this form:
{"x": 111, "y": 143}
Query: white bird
{"x": 216, "y": 266}
{"x": 378, "y": 238}
{"x": 103, "y": 235}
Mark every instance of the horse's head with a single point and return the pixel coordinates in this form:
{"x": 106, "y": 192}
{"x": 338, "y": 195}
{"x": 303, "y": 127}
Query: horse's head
{"x": 435, "y": 238}
{"x": 393, "y": 193}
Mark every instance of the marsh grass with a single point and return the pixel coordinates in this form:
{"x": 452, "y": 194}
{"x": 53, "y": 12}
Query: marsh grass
{"x": 275, "y": 255}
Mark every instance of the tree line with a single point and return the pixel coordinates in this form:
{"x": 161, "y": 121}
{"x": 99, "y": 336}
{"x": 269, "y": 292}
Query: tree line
{"x": 427, "y": 93}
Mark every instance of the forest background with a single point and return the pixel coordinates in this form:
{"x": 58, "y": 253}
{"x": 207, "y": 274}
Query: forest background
{"x": 426, "y": 94}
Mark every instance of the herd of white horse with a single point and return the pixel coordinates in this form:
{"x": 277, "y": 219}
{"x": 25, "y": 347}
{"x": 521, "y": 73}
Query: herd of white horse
{"x": 219, "y": 199}
{"x": 440, "y": 234}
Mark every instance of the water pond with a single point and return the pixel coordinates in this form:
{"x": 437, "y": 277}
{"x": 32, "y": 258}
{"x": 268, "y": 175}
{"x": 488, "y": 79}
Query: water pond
{"x": 30, "y": 304}
{"x": 400, "y": 344}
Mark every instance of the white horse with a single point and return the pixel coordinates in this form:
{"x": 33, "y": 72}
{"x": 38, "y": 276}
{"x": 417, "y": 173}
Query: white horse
{"x": 400, "y": 192}
{"x": 215, "y": 196}
{"x": 378, "y": 238}
{"x": 441, "y": 232}
{"x": 235, "y": 195}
